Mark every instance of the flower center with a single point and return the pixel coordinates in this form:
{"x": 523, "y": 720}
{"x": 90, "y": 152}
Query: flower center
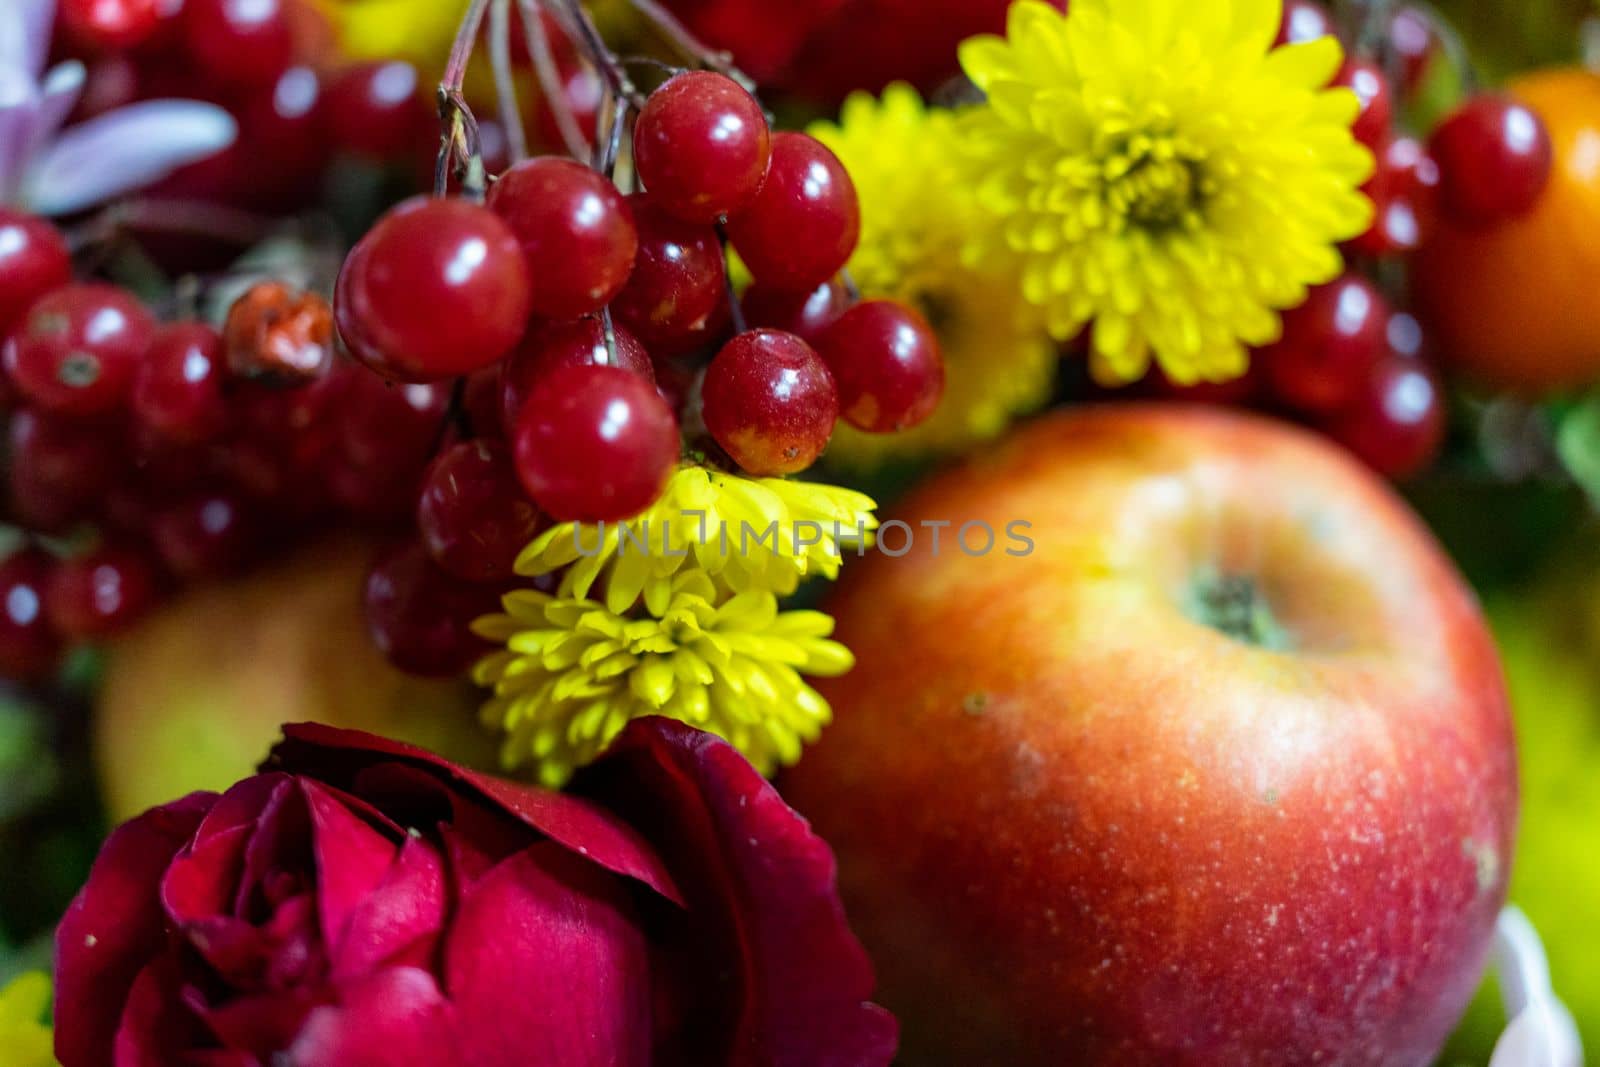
{"x": 1154, "y": 180}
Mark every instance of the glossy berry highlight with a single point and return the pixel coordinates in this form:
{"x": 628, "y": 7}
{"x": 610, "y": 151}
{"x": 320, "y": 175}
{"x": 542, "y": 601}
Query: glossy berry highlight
{"x": 770, "y": 402}
{"x": 886, "y": 364}
{"x": 804, "y": 224}
{"x": 702, "y": 146}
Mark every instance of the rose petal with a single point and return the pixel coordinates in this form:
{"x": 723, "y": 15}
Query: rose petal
{"x": 395, "y": 1018}
{"x": 338, "y": 756}
{"x": 408, "y": 907}
{"x": 114, "y": 926}
{"x": 546, "y": 964}
{"x": 762, "y": 886}
{"x": 242, "y": 804}
{"x": 266, "y": 1023}
{"x": 199, "y": 883}
{"x": 156, "y": 1025}
{"x": 123, "y": 150}
{"x": 280, "y": 846}
{"x": 352, "y": 859}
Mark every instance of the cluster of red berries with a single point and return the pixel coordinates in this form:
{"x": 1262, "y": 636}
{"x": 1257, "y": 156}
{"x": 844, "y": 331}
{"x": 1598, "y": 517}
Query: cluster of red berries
{"x": 150, "y": 455}
{"x": 242, "y": 56}
{"x": 1348, "y": 361}
{"x": 593, "y": 331}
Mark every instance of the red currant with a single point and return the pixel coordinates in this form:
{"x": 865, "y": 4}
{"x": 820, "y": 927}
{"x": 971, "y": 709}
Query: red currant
{"x": 805, "y": 222}
{"x": 177, "y": 390}
{"x": 473, "y": 514}
{"x": 1414, "y": 38}
{"x": 206, "y": 536}
{"x": 1404, "y": 191}
{"x": 702, "y": 146}
{"x": 1304, "y": 20}
{"x": 806, "y": 315}
{"x": 1494, "y": 159}
{"x": 1376, "y": 117}
{"x": 420, "y": 617}
{"x": 679, "y": 282}
{"x": 1396, "y": 422}
{"x": 437, "y": 289}
{"x": 769, "y": 400}
{"x": 33, "y": 260}
{"x": 576, "y": 231}
{"x": 484, "y": 402}
{"x": 375, "y": 109}
{"x": 239, "y": 43}
{"x": 100, "y": 593}
{"x": 595, "y": 444}
{"x": 110, "y": 25}
{"x": 389, "y": 427}
{"x": 280, "y": 122}
{"x": 1329, "y": 346}
{"x": 580, "y": 342}
{"x": 78, "y": 347}
{"x": 886, "y": 364}
{"x": 29, "y": 645}
{"x": 58, "y": 468}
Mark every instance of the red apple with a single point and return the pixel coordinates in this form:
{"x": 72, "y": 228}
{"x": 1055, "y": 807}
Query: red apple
{"x": 1221, "y": 772}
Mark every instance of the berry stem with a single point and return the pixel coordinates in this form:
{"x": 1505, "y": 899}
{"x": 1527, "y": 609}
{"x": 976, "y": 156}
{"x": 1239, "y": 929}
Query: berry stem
{"x": 678, "y": 35}
{"x": 544, "y": 66}
{"x": 605, "y": 61}
{"x": 461, "y": 140}
{"x": 505, "y": 86}
{"x": 1454, "y": 47}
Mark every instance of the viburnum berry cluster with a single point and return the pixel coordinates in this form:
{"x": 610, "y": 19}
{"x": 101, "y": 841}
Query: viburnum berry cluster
{"x": 586, "y": 312}
{"x": 1353, "y": 360}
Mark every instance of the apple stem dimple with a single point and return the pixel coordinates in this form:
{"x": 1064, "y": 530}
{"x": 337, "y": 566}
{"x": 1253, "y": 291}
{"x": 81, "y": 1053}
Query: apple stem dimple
{"x": 1233, "y": 604}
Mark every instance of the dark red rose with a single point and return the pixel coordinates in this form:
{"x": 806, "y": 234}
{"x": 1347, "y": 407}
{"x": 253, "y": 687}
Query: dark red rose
{"x": 361, "y": 902}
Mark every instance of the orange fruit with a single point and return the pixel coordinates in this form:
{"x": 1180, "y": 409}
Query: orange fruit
{"x": 1517, "y": 305}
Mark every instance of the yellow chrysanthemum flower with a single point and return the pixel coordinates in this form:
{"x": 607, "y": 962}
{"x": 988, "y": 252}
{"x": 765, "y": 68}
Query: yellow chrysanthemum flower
{"x": 26, "y": 1039}
{"x": 917, "y": 212}
{"x": 1157, "y": 168}
{"x": 748, "y": 533}
{"x": 574, "y": 673}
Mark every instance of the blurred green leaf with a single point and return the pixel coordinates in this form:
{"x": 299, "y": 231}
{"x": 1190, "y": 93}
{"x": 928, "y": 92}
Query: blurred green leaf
{"x": 1578, "y": 444}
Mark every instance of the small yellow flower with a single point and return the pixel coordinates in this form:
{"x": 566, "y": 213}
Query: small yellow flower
{"x": 917, "y": 213}
{"x": 574, "y": 673}
{"x": 26, "y": 1039}
{"x": 1155, "y": 167}
{"x": 748, "y": 533}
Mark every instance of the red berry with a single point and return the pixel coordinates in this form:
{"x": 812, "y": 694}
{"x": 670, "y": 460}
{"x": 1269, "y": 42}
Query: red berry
{"x": 78, "y": 347}
{"x": 1304, "y": 20}
{"x": 595, "y": 444}
{"x": 579, "y": 343}
{"x": 207, "y": 536}
{"x": 177, "y": 390}
{"x": 679, "y": 282}
{"x": 1404, "y": 190}
{"x": 33, "y": 260}
{"x": 375, "y": 109}
{"x": 384, "y": 427}
{"x": 110, "y": 25}
{"x": 701, "y": 146}
{"x": 885, "y": 361}
{"x": 483, "y": 402}
{"x": 806, "y": 315}
{"x": 280, "y": 122}
{"x": 805, "y": 222}
{"x": 420, "y": 617}
{"x": 770, "y": 402}
{"x": 576, "y": 231}
{"x": 437, "y": 289}
{"x": 239, "y": 43}
{"x": 1396, "y": 422}
{"x": 1414, "y": 38}
{"x": 1494, "y": 159}
{"x": 100, "y": 593}
{"x": 583, "y": 89}
{"x": 29, "y": 645}
{"x": 1376, "y": 117}
{"x": 58, "y": 468}
{"x": 1329, "y": 346}
{"x": 473, "y": 514}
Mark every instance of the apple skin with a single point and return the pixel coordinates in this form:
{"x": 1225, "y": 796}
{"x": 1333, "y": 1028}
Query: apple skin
{"x": 194, "y": 697}
{"x": 1074, "y": 825}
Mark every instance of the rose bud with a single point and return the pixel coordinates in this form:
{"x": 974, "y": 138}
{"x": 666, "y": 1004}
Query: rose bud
{"x": 361, "y": 902}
